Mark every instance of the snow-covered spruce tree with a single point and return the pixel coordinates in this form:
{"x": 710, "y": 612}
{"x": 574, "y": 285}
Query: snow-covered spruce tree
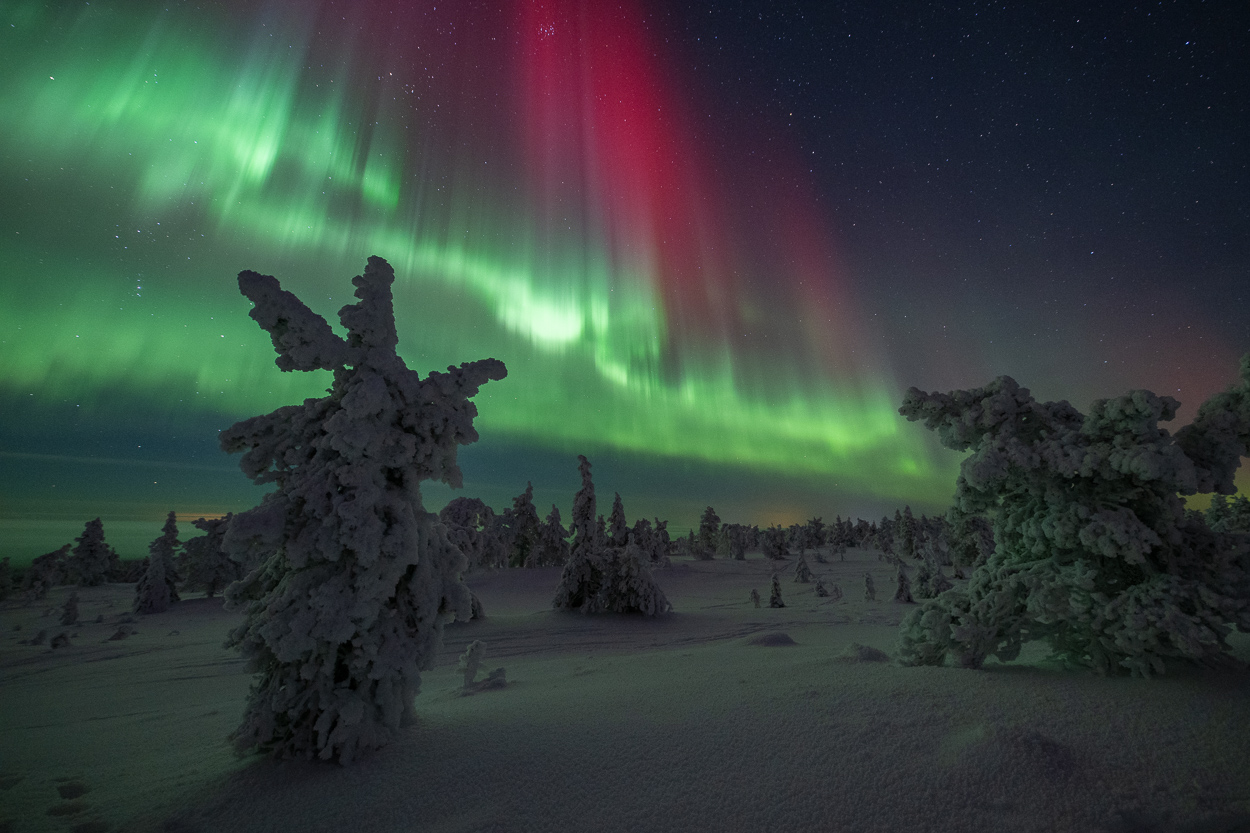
{"x": 902, "y": 589}
{"x": 583, "y": 572}
{"x": 349, "y": 605}
{"x": 1094, "y": 552}
{"x": 628, "y": 586}
{"x": 158, "y": 587}
{"x": 870, "y": 589}
{"x": 709, "y": 532}
{"x": 552, "y": 547}
{"x": 522, "y": 525}
{"x": 802, "y": 571}
{"x": 205, "y": 564}
{"x": 92, "y": 561}
{"x": 774, "y": 597}
{"x": 618, "y": 527}
{"x": 755, "y": 597}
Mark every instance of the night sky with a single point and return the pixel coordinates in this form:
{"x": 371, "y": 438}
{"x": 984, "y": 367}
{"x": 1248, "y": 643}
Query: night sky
{"x": 713, "y": 242}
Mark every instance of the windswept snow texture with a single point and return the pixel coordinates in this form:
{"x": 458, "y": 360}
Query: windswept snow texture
{"x": 623, "y": 724}
{"x": 358, "y": 579}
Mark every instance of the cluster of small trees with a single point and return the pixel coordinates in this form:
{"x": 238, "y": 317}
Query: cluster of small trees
{"x": 609, "y": 568}
{"x": 199, "y": 564}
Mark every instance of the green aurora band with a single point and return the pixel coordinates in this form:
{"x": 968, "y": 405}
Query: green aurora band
{"x": 158, "y": 153}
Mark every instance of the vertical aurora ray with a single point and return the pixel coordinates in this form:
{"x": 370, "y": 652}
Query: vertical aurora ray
{"x": 534, "y": 174}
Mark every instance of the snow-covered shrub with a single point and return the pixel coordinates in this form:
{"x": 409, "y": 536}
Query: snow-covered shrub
{"x": 92, "y": 562}
{"x": 470, "y": 660}
{"x": 158, "y": 587}
{"x": 1094, "y": 552}
{"x": 870, "y": 589}
{"x": 774, "y": 598}
{"x": 69, "y": 613}
{"x": 755, "y": 597}
{"x": 835, "y": 592}
{"x": 821, "y": 590}
{"x": 205, "y": 563}
{"x": 469, "y": 663}
{"x": 349, "y": 605}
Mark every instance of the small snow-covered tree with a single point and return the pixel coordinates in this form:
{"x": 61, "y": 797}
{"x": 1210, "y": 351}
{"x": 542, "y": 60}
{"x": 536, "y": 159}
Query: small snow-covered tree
{"x": 802, "y": 572}
{"x": 92, "y": 561}
{"x": 1094, "y": 552}
{"x": 774, "y": 598}
{"x": 902, "y": 590}
{"x": 206, "y": 564}
{"x": 583, "y": 572}
{"x": 349, "y": 605}
{"x": 870, "y": 589}
{"x": 628, "y": 586}
{"x": 755, "y": 597}
{"x": 69, "y": 613}
{"x": 158, "y": 587}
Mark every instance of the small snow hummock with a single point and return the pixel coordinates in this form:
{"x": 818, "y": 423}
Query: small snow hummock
{"x": 348, "y": 606}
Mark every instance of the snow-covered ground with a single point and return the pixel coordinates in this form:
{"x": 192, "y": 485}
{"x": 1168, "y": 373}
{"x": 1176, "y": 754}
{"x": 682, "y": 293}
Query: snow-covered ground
{"x": 706, "y": 719}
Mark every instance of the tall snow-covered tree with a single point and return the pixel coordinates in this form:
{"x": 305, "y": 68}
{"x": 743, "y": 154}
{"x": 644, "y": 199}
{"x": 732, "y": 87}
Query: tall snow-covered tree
{"x": 709, "y": 532}
{"x": 628, "y": 586}
{"x": 158, "y": 588}
{"x": 583, "y": 572}
{"x": 522, "y": 525}
{"x": 1094, "y": 552}
{"x": 206, "y": 564}
{"x": 92, "y": 561}
{"x": 348, "y": 607}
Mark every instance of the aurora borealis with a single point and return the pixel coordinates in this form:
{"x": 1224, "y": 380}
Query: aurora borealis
{"x": 713, "y": 243}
